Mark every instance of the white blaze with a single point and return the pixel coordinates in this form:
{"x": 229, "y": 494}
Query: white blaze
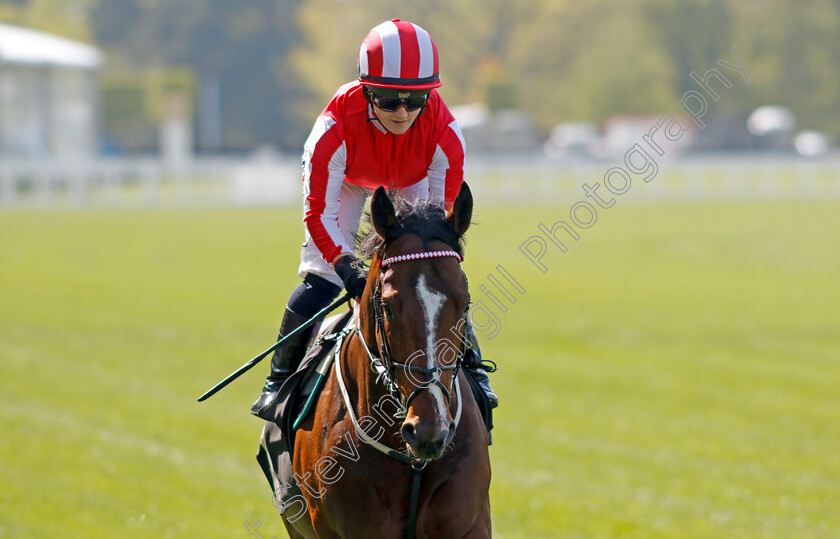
{"x": 432, "y": 303}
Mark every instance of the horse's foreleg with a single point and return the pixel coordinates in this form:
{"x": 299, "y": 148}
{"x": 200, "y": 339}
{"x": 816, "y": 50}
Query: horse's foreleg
{"x": 479, "y": 534}
{"x": 480, "y": 531}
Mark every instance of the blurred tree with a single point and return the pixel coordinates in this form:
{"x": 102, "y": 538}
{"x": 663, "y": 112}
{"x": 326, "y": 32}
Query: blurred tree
{"x": 471, "y": 35}
{"x": 588, "y": 61}
{"x": 134, "y": 103}
{"x": 557, "y": 60}
{"x": 695, "y": 34}
{"x": 238, "y": 50}
{"x": 327, "y": 53}
{"x": 792, "y": 54}
{"x": 125, "y": 119}
{"x": 67, "y": 18}
{"x": 265, "y": 68}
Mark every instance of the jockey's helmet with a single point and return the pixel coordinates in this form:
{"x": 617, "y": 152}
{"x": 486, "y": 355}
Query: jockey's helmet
{"x": 399, "y": 54}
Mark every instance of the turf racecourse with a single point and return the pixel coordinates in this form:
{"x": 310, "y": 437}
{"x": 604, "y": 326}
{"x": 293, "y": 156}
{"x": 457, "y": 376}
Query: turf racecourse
{"x": 674, "y": 374}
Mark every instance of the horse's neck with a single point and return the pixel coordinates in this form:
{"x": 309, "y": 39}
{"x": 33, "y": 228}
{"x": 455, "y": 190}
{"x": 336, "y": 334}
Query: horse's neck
{"x": 373, "y": 399}
{"x": 359, "y": 362}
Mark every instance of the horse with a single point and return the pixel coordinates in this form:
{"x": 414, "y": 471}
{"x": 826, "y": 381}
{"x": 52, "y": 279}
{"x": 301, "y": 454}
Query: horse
{"x": 396, "y": 446}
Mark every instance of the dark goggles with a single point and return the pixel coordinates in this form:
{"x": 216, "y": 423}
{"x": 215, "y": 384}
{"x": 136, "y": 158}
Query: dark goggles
{"x": 390, "y": 99}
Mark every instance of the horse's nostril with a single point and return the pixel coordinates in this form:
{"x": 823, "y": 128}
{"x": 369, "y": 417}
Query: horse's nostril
{"x": 424, "y": 438}
{"x": 409, "y": 434}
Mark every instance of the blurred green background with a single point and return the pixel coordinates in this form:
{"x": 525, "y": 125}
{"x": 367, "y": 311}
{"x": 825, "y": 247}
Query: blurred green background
{"x": 275, "y": 63}
{"x": 673, "y": 374}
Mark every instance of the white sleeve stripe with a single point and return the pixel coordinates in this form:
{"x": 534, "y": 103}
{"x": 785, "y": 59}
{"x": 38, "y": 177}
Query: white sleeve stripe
{"x": 437, "y": 174}
{"x": 322, "y": 125}
{"x": 454, "y": 127}
{"x": 335, "y": 179}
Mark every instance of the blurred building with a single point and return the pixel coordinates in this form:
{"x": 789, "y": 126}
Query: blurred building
{"x": 507, "y": 131}
{"x": 574, "y": 140}
{"x": 49, "y": 95}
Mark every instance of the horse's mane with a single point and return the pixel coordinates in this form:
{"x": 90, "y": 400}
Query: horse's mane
{"x": 426, "y": 219}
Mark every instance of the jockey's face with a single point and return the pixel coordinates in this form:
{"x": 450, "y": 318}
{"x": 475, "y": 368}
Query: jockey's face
{"x": 398, "y": 121}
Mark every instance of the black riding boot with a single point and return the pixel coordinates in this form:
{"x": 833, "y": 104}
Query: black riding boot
{"x": 284, "y": 362}
{"x": 472, "y": 361}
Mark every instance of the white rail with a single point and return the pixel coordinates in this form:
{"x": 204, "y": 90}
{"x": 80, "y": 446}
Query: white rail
{"x": 495, "y": 181}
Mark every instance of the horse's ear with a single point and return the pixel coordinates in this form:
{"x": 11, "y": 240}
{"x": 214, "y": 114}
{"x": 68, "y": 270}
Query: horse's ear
{"x": 461, "y": 213}
{"x": 382, "y": 213}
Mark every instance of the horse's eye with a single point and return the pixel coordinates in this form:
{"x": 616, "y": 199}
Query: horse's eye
{"x": 386, "y": 307}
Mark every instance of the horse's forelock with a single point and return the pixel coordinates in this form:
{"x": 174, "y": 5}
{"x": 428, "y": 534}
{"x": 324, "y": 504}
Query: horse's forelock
{"x": 425, "y": 219}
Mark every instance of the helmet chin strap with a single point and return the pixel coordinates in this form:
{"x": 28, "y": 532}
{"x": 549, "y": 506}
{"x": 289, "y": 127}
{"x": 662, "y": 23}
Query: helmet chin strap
{"x": 374, "y": 118}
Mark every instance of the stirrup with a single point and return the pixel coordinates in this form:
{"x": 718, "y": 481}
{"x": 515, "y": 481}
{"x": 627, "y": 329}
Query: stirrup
{"x": 472, "y": 360}
{"x": 488, "y": 365}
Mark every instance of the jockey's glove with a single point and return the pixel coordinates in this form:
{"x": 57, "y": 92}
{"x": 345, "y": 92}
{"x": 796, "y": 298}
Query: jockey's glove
{"x": 353, "y": 274}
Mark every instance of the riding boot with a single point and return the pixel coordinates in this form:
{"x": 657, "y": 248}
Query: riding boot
{"x": 284, "y": 362}
{"x": 472, "y": 361}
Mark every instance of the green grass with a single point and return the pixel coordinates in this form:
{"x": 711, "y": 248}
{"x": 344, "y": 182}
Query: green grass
{"x": 674, "y": 374}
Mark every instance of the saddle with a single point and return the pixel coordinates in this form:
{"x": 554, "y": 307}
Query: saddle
{"x": 300, "y": 391}
{"x": 295, "y": 401}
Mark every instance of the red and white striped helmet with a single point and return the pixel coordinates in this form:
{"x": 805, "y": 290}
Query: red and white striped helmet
{"x": 399, "y": 54}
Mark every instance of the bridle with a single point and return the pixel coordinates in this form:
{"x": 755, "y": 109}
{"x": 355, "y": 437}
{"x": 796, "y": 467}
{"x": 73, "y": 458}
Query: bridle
{"x": 384, "y": 364}
{"x": 384, "y": 367}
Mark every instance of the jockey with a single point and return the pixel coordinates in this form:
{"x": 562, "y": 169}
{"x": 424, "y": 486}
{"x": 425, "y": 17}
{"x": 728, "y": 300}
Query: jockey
{"x": 389, "y": 128}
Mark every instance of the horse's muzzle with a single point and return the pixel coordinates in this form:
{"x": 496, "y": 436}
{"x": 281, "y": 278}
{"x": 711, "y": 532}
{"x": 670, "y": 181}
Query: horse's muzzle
{"x": 426, "y": 439}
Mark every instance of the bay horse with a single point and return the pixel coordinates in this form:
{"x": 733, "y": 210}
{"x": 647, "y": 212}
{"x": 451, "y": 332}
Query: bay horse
{"x": 396, "y": 446}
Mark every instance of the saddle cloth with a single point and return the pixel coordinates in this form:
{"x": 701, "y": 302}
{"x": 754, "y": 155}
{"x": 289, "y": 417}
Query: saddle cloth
{"x": 278, "y": 436}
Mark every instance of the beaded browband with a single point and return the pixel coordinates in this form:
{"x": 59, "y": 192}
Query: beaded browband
{"x": 418, "y": 256}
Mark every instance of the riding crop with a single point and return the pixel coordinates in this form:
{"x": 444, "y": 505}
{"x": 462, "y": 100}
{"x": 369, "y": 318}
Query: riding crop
{"x": 247, "y": 366}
